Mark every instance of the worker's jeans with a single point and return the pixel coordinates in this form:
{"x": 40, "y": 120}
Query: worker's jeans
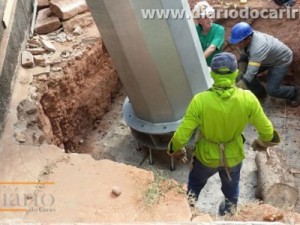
{"x": 274, "y": 88}
{"x": 200, "y": 174}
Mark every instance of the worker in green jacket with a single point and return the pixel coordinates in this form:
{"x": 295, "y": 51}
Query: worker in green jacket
{"x": 220, "y": 115}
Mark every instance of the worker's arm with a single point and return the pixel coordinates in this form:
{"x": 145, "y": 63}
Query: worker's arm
{"x": 267, "y": 135}
{"x": 243, "y": 80}
{"x": 257, "y": 54}
{"x": 252, "y": 70}
{"x": 187, "y": 126}
{"x": 209, "y": 51}
{"x": 259, "y": 120}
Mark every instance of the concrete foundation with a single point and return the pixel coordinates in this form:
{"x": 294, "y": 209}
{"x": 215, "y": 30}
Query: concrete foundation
{"x": 11, "y": 39}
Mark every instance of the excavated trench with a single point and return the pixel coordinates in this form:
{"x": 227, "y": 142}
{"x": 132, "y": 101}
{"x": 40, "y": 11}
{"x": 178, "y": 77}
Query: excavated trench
{"x": 75, "y": 99}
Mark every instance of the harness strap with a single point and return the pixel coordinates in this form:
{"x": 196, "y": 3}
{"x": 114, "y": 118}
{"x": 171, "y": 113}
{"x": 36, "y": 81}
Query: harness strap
{"x": 222, "y": 147}
{"x": 223, "y": 160}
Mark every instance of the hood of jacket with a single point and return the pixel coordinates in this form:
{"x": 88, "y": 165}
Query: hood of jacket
{"x": 224, "y": 85}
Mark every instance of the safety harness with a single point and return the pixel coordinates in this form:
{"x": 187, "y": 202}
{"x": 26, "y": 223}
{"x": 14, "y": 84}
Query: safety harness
{"x": 222, "y": 147}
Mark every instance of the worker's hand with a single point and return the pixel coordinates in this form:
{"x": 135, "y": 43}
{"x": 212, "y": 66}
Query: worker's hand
{"x": 241, "y": 84}
{"x": 259, "y": 145}
{"x": 179, "y": 155}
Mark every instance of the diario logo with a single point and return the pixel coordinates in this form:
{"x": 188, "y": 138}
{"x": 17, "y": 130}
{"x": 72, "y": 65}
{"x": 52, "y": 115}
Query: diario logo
{"x": 14, "y": 201}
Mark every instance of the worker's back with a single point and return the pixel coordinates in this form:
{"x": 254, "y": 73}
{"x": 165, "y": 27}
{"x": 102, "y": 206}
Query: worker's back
{"x": 222, "y": 121}
{"x": 269, "y": 50}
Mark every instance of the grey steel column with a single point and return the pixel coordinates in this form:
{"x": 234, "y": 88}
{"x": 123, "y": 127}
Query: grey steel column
{"x": 159, "y": 62}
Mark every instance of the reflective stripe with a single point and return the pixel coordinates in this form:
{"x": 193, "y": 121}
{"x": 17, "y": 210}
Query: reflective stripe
{"x": 252, "y": 63}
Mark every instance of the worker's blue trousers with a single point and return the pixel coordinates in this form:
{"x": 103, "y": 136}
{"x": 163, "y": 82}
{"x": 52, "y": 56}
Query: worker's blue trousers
{"x": 274, "y": 83}
{"x": 200, "y": 174}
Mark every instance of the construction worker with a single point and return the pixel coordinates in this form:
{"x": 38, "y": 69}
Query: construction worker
{"x": 261, "y": 52}
{"x": 211, "y": 35}
{"x": 220, "y": 115}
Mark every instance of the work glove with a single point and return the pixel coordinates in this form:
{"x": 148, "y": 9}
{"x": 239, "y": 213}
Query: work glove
{"x": 179, "y": 155}
{"x": 259, "y": 145}
{"x": 242, "y": 84}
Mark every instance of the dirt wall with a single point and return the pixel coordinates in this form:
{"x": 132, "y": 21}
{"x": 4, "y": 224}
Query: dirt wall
{"x": 78, "y": 96}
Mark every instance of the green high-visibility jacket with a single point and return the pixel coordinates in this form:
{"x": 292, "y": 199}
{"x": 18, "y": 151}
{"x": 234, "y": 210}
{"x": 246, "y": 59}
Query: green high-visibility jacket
{"x": 221, "y": 120}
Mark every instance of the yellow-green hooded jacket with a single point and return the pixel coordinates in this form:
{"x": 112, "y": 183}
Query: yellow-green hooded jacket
{"x": 221, "y": 114}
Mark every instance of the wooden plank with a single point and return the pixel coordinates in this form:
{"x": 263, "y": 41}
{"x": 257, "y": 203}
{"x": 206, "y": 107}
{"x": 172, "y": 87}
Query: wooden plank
{"x": 7, "y": 13}
{"x": 277, "y": 186}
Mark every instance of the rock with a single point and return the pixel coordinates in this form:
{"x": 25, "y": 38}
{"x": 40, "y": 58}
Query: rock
{"x": 41, "y": 4}
{"x": 116, "y": 191}
{"x": 41, "y": 139}
{"x": 77, "y": 30}
{"x": 68, "y": 8}
{"x": 55, "y": 62}
{"x": 32, "y": 93}
{"x": 56, "y": 69}
{"x": 32, "y": 46}
{"x": 27, "y": 59}
{"x": 27, "y": 107}
{"x": 48, "y": 46}
{"x": 41, "y": 70}
{"x": 46, "y": 23}
{"x": 44, "y": 37}
{"x": 39, "y": 60}
{"x": 43, "y": 77}
{"x": 78, "y": 55}
{"x": 61, "y": 37}
{"x": 36, "y": 51}
{"x": 35, "y": 41}
{"x": 20, "y": 137}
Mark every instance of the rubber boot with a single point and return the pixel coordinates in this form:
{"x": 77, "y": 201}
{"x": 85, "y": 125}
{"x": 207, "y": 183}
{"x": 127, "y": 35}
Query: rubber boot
{"x": 226, "y": 207}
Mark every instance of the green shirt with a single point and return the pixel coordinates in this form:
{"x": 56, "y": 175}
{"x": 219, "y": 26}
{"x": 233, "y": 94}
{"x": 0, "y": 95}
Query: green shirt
{"x": 221, "y": 121}
{"x": 214, "y": 37}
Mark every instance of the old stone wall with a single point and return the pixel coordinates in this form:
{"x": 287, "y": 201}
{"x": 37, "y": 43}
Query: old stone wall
{"x": 11, "y": 39}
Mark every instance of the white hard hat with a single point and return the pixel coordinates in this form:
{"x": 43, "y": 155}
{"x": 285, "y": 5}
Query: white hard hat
{"x": 203, "y": 9}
